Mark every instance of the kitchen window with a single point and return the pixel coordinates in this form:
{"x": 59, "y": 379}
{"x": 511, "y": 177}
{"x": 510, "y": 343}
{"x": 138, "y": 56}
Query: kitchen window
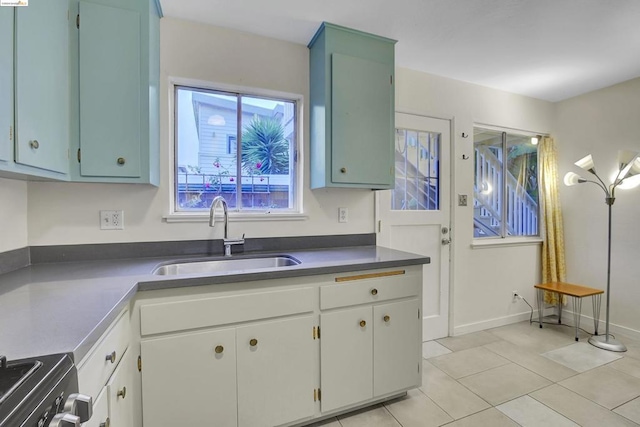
{"x": 240, "y": 146}
{"x": 505, "y": 199}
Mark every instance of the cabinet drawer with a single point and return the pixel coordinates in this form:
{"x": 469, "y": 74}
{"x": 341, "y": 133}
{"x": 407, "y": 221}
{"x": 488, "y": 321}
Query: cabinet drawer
{"x": 369, "y": 288}
{"x": 95, "y": 369}
{"x": 205, "y": 312}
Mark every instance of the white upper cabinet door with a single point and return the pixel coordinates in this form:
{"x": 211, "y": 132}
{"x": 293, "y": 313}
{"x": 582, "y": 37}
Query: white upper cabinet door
{"x": 42, "y": 85}
{"x": 6, "y": 83}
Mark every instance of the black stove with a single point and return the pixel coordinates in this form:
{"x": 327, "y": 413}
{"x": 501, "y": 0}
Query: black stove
{"x": 41, "y": 392}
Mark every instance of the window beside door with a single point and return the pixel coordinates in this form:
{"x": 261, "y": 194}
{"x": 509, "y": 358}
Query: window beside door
{"x": 505, "y": 199}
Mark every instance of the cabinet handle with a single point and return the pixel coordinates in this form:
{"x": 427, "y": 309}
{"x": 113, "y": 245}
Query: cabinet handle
{"x": 122, "y": 393}
{"x": 219, "y": 349}
{"x": 343, "y": 170}
{"x": 386, "y": 318}
{"x": 374, "y": 291}
{"x": 111, "y": 357}
{"x": 106, "y": 423}
{"x": 121, "y": 161}
{"x": 253, "y": 342}
{"x": 363, "y": 323}
{"x": 34, "y": 144}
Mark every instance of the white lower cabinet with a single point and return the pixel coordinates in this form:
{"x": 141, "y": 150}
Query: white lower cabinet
{"x": 250, "y": 376}
{"x": 278, "y": 352}
{"x": 119, "y": 390}
{"x": 346, "y": 365}
{"x": 369, "y": 352}
{"x": 100, "y": 417}
{"x": 190, "y": 379}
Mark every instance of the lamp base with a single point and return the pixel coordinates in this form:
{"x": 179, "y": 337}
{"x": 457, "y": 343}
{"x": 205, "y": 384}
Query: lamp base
{"x": 605, "y": 342}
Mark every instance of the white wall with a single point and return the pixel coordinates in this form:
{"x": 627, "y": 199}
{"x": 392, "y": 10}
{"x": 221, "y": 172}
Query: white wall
{"x": 63, "y": 213}
{"x": 13, "y": 214}
{"x": 600, "y": 123}
{"x": 483, "y": 279}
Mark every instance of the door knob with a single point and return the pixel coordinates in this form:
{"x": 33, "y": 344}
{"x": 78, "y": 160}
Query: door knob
{"x": 219, "y": 349}
{"x": 34, "y": 144}
{"x": 386, "y": 318}
{"x": 111, "y": 357}
{"x": 253, "y": 342}
{"x": 374, "y": 291}
{"x": 121, "y": 161}
{"x": 363, "y": 323}
{"x": 122, "y": 393}
{"x": 446, "y": 241}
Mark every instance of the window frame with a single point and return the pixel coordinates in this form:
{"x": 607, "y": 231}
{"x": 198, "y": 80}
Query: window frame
{"x": 201, "y": 215}
{"x": 504, "y": 238}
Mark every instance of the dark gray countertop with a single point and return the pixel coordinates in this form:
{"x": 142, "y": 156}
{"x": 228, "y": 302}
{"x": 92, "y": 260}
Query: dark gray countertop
{"x": 65, "y": 307}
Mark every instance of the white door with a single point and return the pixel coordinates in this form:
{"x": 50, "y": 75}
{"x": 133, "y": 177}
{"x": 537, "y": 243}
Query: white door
{"x": 415, "y": 217}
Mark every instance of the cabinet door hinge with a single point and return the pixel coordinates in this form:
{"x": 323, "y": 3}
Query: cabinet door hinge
{"x": 316, "y": 332}
{"x": 391, "y": 79}
{"x": 78, "y": 21}
{"x": 316, "y": 394}
{"x": 139, "y": 363}
{"x": 379, "y": 226}
{"x": 418, "y": 313}
{"x": 79, "y": 156}
{"x": 10, "y": 133}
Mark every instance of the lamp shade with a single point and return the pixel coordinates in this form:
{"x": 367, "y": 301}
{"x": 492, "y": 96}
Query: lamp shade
{"x": 586, "y": 163}
{"x": 572, "y": 178}
{"x": 629, "y": 163}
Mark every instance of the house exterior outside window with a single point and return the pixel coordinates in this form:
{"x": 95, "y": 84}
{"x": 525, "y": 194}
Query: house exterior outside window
{"x": 240, "y": 147}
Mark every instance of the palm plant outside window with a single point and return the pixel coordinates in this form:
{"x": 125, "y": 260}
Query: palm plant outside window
{"x": 237, "y": 146}
{"x": 505, "y": 185}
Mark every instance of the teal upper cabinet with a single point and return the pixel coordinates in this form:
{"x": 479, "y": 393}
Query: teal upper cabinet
{"x": 118, "y": 75}
{"x": 352, "y": 109}
{"x": 6, "y": 84}
{"x": 42, "y": 85}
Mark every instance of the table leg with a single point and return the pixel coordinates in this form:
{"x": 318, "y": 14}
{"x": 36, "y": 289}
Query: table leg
{"x": 596, "y": 300}
{"x": 540, "y": 294}
{"x": 559, "y": 309}
{"x": 577, "y": 309}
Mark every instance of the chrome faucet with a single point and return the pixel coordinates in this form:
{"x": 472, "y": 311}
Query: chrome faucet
{"x": 228, "y": 242}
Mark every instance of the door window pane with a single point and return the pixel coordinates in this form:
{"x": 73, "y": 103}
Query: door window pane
{"x": 417, "y": 157}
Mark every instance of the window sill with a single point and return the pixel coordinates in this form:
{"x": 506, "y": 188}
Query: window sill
{"x": 507, "y": 242}
{"x": 235, "y": 217}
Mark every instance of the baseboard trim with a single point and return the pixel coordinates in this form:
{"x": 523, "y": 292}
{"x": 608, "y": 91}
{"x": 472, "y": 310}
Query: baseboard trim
{"x": 496, "y": 322}
{"x": 586, "y": 322}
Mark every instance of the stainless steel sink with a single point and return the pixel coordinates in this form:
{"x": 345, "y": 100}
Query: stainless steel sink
{"x": 225, "y": 265}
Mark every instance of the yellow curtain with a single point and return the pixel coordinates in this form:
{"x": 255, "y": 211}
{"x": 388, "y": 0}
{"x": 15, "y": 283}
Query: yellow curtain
{"x": 553, "y": 261}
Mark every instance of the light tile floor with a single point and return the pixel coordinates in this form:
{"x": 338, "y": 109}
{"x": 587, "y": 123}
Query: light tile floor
{"x": 515, "y": 375}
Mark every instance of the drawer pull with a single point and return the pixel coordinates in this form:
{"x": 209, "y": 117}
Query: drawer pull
{"x": 106, "y": 423}
{"x": 121, "y": 161}
{"x": 219, "y": 349}
{"x": 374, "y": 291}
{"x": 111, "y": 357}
{"x": 34, "y": 144}
{"x": 370, "y": 276}
{"x": 386, "y": 318}
{"x": 122, "y": 393}
{"x": 363, "y": 323}
{"x": 343, "y": 170}
{"x": 253, "y": 342}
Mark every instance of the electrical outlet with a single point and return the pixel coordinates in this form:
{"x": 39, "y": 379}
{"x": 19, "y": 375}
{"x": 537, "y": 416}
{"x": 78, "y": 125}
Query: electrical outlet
{"x": 462, "y": 200}
{"x": 514, "y": 296}
{"x": 111, "y": 220}
{"x": 343, "y": 215}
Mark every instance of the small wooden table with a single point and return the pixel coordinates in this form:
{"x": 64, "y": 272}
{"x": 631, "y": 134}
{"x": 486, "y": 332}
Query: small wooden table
{"x": 577, "y": 292}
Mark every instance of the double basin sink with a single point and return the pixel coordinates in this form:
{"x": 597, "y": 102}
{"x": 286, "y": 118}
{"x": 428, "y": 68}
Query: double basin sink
{"x": 208, "y": 266}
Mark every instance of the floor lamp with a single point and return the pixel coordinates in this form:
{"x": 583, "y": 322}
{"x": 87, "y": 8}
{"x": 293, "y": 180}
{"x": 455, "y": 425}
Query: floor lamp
{"x": 629, "y": 166}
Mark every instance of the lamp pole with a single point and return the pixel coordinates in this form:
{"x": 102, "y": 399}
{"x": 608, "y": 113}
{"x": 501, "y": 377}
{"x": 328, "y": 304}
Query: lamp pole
{"x": 629, "y": 164}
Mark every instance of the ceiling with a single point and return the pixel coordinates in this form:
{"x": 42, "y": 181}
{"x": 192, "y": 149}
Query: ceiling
{"x": 546, "y": 49}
